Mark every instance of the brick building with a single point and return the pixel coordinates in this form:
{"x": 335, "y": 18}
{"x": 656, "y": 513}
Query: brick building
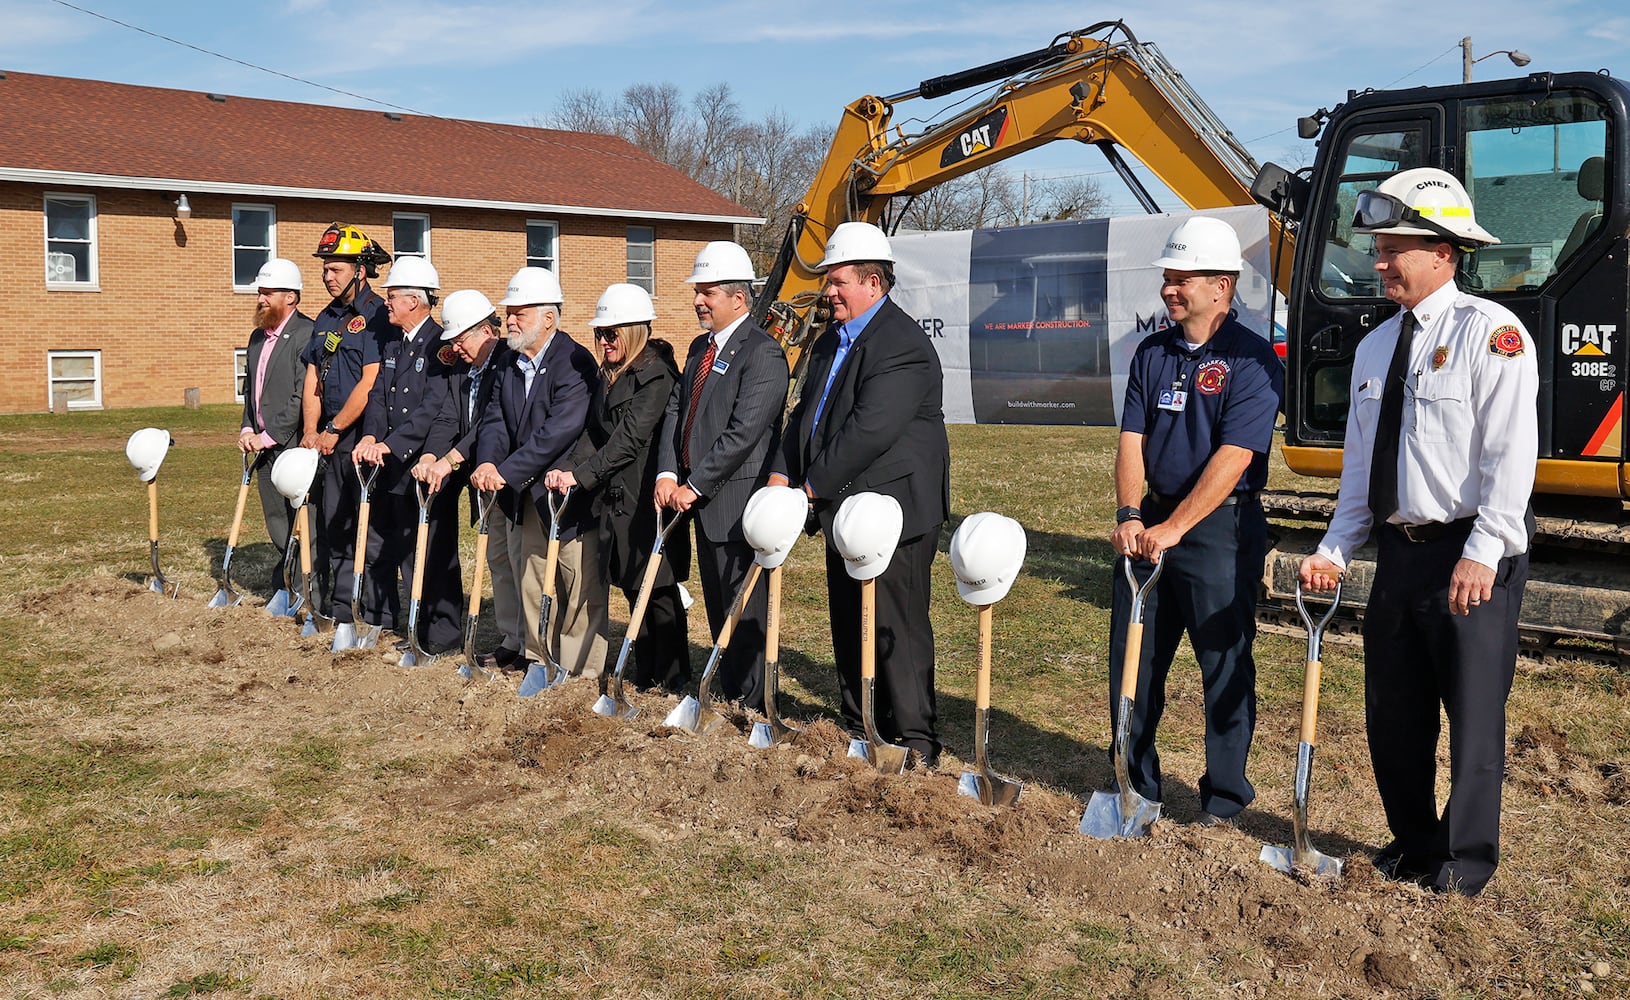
{"x": 133, "y": 221}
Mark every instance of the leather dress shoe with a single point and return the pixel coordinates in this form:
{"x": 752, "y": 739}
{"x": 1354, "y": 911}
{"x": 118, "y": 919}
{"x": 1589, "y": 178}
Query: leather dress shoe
{"x": 501, "y": 658}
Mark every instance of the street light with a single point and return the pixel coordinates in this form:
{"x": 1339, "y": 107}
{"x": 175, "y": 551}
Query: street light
{"x": 1517, "y": 58}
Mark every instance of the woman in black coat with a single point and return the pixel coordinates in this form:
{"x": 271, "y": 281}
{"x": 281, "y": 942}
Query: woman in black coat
{"x": 616, "y": 460}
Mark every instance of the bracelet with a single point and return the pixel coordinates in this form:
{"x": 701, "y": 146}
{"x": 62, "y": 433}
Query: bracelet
{"x": 1126, "y": 514}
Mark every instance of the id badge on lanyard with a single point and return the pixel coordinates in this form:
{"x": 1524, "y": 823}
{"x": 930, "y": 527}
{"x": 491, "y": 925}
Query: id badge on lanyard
{"x": 1175, "y": 400}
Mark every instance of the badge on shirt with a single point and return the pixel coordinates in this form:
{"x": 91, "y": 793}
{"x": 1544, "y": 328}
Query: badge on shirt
{"x": 1175, "y": 400}
{"x": 418, "y": 364}
{"x": 356, "y": 324}
{"x": 1440, "y": 357}
{"x": 446, "y": 355}
{"x": 720, "y": 366}
{"x": 1211, "y": 377}
{"x": 1506, "y": 342}
{"x": 390, "y": 362}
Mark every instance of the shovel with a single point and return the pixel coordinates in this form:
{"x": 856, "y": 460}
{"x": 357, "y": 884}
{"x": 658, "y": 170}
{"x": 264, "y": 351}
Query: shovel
{"x": 697, "y": 714}
{"x": 415, "y": 655}
{"x": 346, "y": 635}
{"x": 286, "y": 602}
{"x": 767, "y": 734}
{"x": 315, "y": 622}
{"x": 616, "y": 703}
{"x": 1301, "y": 853}
{"x": 986, "y": 785}
{"x": 156, "y": 583}
{"x": 469, "y": 669}
{"x": 549, "y": 673}
{"x": 890, "y": 758}
{"x": 228, "y": 596}
{"x": 1125, "y": 814}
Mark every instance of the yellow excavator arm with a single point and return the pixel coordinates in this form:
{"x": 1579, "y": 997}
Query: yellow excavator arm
{"x": 1099, "y": 85}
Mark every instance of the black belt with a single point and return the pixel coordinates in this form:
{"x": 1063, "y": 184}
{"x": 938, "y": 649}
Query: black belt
{"x": 1238, "y": 496}
{"x": 1432, "y": 530}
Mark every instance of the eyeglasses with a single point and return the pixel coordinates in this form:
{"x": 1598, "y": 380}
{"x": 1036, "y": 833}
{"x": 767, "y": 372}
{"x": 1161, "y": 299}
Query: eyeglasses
{"x": 606, "y": 335}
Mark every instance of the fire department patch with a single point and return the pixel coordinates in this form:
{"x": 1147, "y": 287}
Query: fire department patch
{"x": 356, "y": 324}
{"x": 1440, "y": 357}
{"x": 1506, "y": 342}
{"x": 1211, "y": 377}
{"x": 446, "y": 355}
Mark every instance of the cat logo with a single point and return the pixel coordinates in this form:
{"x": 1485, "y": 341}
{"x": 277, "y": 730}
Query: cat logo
{"x": 1593, "y": 339}
{"x": 982, "y": 136}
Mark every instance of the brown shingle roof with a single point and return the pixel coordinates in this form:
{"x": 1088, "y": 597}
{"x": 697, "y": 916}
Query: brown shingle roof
{"x": 61, "y": 124}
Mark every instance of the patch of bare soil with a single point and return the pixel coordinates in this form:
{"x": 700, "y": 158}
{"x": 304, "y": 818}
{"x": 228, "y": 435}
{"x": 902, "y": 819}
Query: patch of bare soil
{"x": 1198, "y": 894}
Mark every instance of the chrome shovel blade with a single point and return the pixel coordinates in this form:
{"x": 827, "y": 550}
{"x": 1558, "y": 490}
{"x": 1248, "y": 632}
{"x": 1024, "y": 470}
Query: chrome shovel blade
{"x": 760, "y": 737}
{"x": 345, "y": 637}
{"x": 278, "y": 606}
{"x": 536, "y": 679}
{"x": 857, "y": 748}
{"x": 685, "y": 715}
{"x": 222, "y": 599}
{"x": 1114, "y": 814}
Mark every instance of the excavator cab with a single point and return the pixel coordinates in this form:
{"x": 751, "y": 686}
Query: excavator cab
{"x": 1544, "y": 159}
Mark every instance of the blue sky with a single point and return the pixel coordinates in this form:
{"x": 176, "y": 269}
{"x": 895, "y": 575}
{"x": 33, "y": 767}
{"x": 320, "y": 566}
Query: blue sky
{"x": 1258, "y": 66}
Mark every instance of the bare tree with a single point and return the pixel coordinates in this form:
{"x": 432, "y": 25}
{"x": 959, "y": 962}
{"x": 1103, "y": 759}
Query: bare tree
{"x": 1078, "y": 197}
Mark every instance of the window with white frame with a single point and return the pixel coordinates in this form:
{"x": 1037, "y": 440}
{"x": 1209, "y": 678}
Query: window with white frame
{"x": 411, "y": 234}
{"x": 542, "y": 240}
{"x": 75, "y": 377}
{"x": 70, "y": 241}
{"x": 642, "y": 257}
{"x": 240, "y": 372}
{"x": 254, "y": 242}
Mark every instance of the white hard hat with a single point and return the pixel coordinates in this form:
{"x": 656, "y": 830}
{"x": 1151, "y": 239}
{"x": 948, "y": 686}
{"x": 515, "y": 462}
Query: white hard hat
{"x": 1202, "y": 244}
{"x": 533, "y": 286}
{"x": 411, "y": 271}
{"x": 721, "y": 260}
{"x": 623, "y": 303}
{"x": 865, "y": 533}
{"x": 281, "y": 275}
{"x": 293, "y": 472}
{"x": 146, "y": 450}
{"x": 852, "y": 242}
{"x": 463, "y": 309}
{"x": 772, "y": 522}
{"x": 986, "y": 554}
{"x": 1424, "y": 201}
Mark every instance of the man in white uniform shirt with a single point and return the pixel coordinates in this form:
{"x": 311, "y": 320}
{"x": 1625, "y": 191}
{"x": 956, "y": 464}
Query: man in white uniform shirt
{"x": 1442, "y": 438}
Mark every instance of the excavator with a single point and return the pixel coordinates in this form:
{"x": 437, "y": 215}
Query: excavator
{"x": 1545, "y": 157}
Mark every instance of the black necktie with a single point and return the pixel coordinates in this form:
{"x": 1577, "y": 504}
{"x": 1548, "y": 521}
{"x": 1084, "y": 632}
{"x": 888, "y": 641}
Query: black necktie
{"x": 1389, "y": 427}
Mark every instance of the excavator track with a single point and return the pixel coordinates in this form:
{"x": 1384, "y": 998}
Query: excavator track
{"x": 1577, "y": 604}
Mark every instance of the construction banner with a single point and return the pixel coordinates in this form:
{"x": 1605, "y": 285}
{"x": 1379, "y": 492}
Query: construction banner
{"x": 1038, "y": 324}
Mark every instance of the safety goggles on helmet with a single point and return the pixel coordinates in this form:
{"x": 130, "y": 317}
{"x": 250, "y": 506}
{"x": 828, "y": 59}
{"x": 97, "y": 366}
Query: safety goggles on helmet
{"x": 1377, "y": 210}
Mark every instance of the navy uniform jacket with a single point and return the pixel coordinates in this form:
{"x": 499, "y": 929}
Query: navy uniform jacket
{"x": 407, "y": 400}
{"x": 458, "y": 428}
{"x": 1232, "y": 390}
{"x": 883, "y": 427}
{"x": 527, "y": 435}
{"x": 735, "y": 430}
{"x": 359, "y": 331}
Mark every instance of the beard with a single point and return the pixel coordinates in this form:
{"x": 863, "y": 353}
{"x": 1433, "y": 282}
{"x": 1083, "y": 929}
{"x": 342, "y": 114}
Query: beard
{"x": 267, "y": 317}
{"x": 517, "y": 341}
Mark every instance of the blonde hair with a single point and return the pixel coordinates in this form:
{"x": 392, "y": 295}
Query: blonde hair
{"x": 634, "y": 337}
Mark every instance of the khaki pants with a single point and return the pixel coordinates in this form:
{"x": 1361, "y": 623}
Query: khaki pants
{"x": 578, "y": 631}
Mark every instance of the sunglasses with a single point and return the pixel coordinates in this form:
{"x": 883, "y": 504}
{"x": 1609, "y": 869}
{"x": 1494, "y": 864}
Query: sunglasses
{"x": 606, "y": 335}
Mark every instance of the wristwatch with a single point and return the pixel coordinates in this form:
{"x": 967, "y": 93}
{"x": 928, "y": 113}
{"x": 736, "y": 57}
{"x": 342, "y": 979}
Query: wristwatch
{"x": 1126, "y": 514}
{"x": 329, "y": 428}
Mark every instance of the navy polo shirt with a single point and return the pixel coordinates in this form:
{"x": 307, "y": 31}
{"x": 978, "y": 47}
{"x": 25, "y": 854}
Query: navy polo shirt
{"x": 360, "y": 345}
{"x": 1230, "y": 392}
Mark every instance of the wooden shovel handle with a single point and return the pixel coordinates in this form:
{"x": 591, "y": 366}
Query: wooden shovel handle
{"x": 301, "y": 522}
{"x": 359, "y": 554}
{"x": 772, "y": 617}
{"x": 419, "y": 547}
{"x": 736, "y": 612}
{"x": 636, "y": 616}
{"x": 1310, "y": 701}
{"x": 551, "y": 562}
{"x": 868, "y": 625}
{"x": 480, "y": 564}
{"x": 237, "y": 516}
{"x": 982, "y": 692}
{"x": 1129, "y": 666}
{"x": 152, "y": 511}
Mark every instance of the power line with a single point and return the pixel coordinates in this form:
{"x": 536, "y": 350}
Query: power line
{"x": 1422, "y": 66}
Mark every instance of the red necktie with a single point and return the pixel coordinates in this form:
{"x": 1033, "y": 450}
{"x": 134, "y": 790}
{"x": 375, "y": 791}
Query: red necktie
{"x": 696, "y": 385}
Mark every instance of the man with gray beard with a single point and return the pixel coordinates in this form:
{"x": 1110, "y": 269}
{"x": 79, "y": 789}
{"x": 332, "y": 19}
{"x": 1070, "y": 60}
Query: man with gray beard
{"x": 536, "y": 414}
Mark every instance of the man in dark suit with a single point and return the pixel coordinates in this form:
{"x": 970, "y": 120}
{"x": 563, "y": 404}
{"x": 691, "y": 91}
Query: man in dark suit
{"x": 535, "y": 416}
{"x": 870, "y": 420}
{"x": 470, "y": 337}
{"x": 407, "y": 400}
{"x": 274, "y": 377}
{"x": 715, "y": 449}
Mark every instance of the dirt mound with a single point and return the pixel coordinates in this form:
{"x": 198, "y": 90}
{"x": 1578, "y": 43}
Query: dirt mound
{"x": 1199, "y": 893}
